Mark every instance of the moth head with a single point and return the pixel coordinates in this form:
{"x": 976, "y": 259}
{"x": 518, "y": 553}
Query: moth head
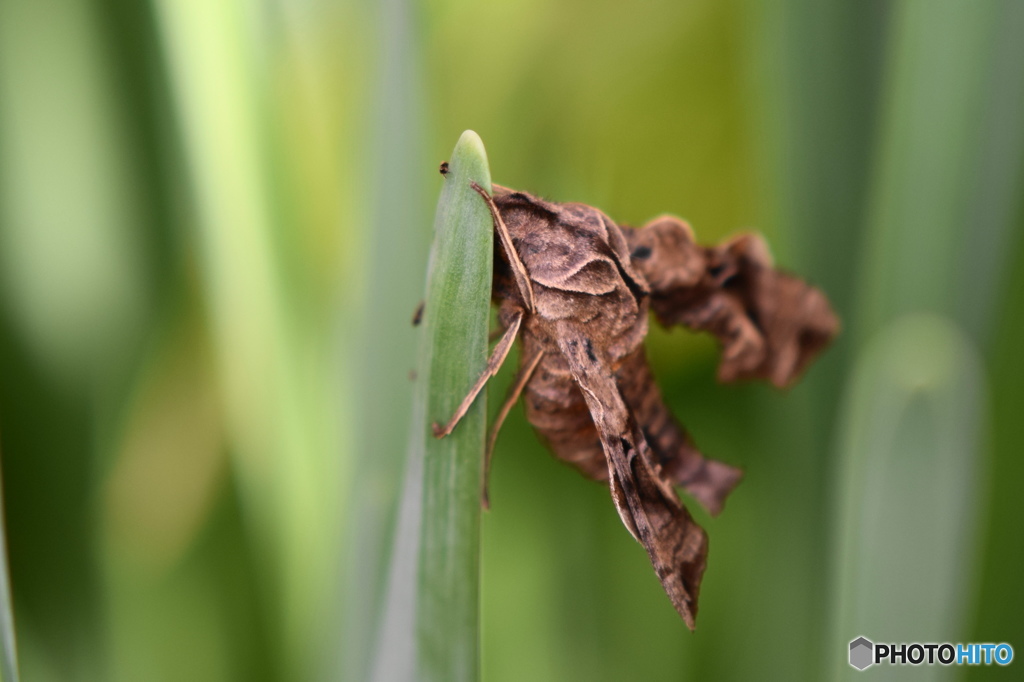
{"x": 666, "y": 253}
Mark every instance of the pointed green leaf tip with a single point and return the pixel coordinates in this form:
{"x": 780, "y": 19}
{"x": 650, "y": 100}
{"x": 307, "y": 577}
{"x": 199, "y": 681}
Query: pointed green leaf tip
{"x": 453, "y": 354}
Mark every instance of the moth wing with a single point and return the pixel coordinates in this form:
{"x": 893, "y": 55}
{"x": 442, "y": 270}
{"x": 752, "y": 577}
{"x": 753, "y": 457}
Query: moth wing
{"x": 646, "y": 502}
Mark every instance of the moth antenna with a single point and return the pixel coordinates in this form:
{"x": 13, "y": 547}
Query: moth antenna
{"x": 513, "y": 395}
{"x": 518, "y": 269}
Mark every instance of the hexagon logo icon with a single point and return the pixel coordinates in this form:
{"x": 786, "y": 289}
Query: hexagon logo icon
{"x": 860, "y": 653}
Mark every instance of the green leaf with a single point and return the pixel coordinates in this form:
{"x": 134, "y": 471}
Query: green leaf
{"x": 944, "y": 178}
{"x": 913, "y": 450}
{"x": 386, "y": 265}
{"x": 431, "y": 623}
{"x": 909, "y": 487}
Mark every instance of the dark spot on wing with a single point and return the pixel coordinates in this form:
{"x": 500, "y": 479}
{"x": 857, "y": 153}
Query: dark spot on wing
{"x": 590, "y": 350}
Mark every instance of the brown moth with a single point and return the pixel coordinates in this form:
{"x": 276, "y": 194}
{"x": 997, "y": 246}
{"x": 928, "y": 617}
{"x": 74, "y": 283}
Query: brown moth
{"x": 576, "y": 289}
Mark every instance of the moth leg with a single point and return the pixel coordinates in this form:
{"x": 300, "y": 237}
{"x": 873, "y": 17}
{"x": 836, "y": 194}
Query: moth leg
{"x": 525, "y": 372}
{"x": 518, "y": 269}
{"x": 647, "y": 504}
{"x": 498, "y": 356}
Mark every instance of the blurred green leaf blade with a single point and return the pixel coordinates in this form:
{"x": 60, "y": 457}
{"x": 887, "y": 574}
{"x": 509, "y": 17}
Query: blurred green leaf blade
{"x": 909, "y": 486}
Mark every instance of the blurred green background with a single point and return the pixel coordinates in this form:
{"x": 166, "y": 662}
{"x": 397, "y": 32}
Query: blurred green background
{"x": 214, "y": 220}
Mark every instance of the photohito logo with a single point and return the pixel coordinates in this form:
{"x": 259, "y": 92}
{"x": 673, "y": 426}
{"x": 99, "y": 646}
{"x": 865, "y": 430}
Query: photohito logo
{"x": 864, "y": 653}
